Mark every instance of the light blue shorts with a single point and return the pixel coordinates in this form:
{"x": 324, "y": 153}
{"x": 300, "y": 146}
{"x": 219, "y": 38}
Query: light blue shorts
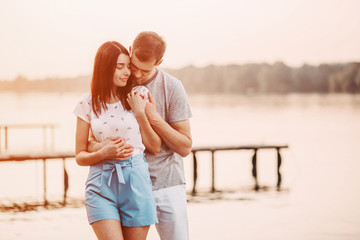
{"x": 121, "y": 190}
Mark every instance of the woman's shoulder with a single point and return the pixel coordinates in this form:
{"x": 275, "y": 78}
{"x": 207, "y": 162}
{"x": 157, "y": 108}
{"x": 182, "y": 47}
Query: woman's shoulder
{"x": 85, "y": 99}
{"x": 83, "y": 108}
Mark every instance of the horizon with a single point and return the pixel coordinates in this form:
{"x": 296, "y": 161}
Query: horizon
{"x": 59, "y": 39}
{"x": 180, "y": 68}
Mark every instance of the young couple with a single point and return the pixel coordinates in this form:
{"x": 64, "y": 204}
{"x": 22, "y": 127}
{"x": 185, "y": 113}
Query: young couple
{"x": 137, "y": 117}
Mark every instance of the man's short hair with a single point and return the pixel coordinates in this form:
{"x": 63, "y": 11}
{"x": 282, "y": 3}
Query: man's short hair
{"x": 149, "y": 46}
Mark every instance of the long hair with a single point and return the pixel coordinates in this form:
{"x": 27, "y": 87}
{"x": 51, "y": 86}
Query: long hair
{"x": 102, "y": 84}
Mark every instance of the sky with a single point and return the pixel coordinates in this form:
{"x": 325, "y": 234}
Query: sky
{"x": 59, "y": 38}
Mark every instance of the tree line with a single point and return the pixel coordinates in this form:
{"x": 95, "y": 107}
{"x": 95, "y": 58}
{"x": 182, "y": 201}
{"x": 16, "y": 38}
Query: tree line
{"x": 235, "y": 79}
{"x": 275, "y": 78}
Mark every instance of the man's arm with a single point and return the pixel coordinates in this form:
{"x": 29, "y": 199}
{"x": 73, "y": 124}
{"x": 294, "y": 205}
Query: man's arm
{"x": 150, "y": 138}
{"x": 94, "y": 145}
{"x": 176, "y": 135}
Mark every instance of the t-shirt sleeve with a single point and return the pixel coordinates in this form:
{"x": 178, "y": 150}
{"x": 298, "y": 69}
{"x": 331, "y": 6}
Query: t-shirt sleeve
{"x": 179, "y": 107}
{"x": 83, "y": 108}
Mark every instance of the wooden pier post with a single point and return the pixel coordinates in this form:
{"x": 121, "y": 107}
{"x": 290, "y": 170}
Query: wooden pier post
{"x": 212, "y": 171}
{"x": 44, "y": 172}
{"x": 66, "y": 182}
{"x": 254, "y": 169}
{"x": 278, "y": 169}
{"x": 194, "y": 173}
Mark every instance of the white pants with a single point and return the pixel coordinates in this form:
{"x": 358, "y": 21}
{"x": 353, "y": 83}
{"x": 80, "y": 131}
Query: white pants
{"x": 171, "y": 213}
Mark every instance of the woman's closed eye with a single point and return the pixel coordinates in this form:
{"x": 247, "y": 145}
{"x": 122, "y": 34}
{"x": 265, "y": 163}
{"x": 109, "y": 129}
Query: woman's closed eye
{"x": 120, "y": 66}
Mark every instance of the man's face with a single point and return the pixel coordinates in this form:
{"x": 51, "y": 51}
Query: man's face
{"x": 142, "y": 71}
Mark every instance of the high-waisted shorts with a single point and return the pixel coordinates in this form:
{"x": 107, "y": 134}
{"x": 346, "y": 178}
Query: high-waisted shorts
{"x": 121, "y": 190}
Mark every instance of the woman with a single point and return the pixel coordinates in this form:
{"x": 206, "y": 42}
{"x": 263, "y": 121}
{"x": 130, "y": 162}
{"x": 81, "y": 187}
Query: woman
{"x": 118, "y": 195}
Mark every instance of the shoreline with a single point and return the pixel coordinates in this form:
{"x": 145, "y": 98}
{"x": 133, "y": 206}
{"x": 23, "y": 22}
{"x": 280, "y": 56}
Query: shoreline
{"x": 255, "y": 217}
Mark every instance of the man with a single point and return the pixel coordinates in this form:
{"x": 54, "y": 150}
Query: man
{"x": 170, "y": 119}
{"x": 168, "y": 112}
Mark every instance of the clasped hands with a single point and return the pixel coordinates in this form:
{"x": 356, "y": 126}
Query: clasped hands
{"x": 140, "y": 105}
{"x": 115, "y": 148}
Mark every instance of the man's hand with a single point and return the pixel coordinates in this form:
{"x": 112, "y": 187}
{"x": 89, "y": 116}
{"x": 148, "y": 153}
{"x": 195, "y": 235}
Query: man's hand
{"x": 150, "y": 110}
{"x": 116, "y": 149}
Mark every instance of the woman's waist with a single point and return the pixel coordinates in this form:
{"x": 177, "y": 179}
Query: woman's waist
{"x": 109, "y": 167}
{"x": 138, "y": 151}
{"x": 136, "y": 157}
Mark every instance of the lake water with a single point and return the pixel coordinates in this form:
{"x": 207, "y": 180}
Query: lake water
{"x": 321, "y": 169}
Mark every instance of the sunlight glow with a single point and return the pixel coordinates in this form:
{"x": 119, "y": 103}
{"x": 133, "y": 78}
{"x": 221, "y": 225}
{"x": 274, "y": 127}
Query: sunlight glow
{"x": 59, "y": 38}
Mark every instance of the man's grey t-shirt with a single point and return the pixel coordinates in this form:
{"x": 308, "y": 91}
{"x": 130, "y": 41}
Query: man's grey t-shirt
{"x": 167, "y": 167}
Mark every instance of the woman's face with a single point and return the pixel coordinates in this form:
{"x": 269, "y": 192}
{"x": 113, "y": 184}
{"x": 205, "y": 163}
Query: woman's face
{"x": 122, "y": 70}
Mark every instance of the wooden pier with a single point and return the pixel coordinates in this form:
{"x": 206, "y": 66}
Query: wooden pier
{"x": 43, "y": 157}
{"x": 65, "y": 155}
{"x": 254, "y": 148}
{"x": 44, "y": 126}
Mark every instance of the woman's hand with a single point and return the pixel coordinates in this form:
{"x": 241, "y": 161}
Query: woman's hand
{"x": 137, "y": 102}
{"x": 116, "y": 149}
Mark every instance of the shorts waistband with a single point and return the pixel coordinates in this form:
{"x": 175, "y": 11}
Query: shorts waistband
{"x": 111, "y": 166}
{"x": 128, "y": 161}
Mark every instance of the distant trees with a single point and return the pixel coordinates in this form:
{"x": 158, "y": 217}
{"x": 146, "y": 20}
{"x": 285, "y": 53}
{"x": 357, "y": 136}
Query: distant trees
{"x": 236, "y": 79}
{"x": 275, "y": 78}
{"x": 346, "y": 79}
{"x": 21, "y": 84}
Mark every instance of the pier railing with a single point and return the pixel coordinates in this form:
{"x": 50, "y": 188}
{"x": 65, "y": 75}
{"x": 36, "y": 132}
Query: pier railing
{"x": 254, "y": 148}
{"x": 5, "y": 128}
{"x": 43, "y": 157}
{"x": 48, "y": 156}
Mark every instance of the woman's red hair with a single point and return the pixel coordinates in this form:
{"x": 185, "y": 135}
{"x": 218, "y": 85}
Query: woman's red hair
{"x": 102, "y": 80}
